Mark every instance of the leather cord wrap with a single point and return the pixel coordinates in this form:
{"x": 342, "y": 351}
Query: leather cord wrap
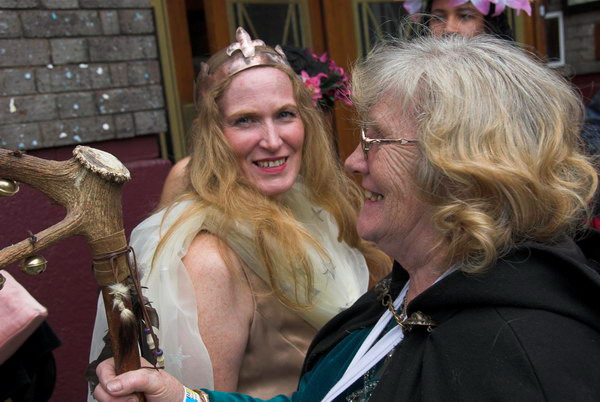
{"x": 110, "y": 259}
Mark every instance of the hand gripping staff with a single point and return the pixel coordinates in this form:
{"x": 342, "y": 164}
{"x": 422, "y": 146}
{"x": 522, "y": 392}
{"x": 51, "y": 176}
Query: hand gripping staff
{"x": 89, "y": 187}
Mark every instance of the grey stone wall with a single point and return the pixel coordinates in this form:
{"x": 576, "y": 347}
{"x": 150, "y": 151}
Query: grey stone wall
{"x": 579, "y": 40}
{"x": 78, "y": 71}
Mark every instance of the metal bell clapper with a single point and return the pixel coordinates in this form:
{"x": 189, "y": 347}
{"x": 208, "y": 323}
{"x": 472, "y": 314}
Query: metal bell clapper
{"x": 8, "y": 187}
{"x": 34, "y": 265}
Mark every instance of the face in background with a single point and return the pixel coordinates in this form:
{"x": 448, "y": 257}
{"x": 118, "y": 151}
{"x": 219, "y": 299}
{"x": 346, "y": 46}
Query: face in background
{"x": 392, "y": 209}
{"x": 464, "y": 20}
{"x": 262, "y": 125}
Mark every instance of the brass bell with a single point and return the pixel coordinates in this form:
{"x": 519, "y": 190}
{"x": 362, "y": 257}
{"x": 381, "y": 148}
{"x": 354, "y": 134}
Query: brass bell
{"x": 34, "y": 265}
{"x": 8, "y": 187}
{"x": 2, "y": 281}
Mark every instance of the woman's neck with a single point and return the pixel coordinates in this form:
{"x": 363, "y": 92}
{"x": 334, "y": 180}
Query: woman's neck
{"x": 424, "y": 261}
{"x": 420, "y": 280}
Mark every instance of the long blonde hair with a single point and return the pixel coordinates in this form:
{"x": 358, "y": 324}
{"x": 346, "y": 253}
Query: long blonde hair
{"x": 502, "y": 161}
{"x": 218, "y": 183}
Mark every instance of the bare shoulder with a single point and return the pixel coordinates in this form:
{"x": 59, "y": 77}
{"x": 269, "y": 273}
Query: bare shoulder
{"x": 210, "y": 260}
{"x": 207, "y": 251}
{"x": 175, "y": 183}
{"x": 179, "y": 167}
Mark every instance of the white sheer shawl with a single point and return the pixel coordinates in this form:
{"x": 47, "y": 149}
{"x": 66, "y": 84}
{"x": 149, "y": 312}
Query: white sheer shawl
{"x": 338, "y": 281}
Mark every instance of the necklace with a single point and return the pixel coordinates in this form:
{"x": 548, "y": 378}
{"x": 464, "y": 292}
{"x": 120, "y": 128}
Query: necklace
{"x": 388, "y": 302}
{"x": 405, "y": 322}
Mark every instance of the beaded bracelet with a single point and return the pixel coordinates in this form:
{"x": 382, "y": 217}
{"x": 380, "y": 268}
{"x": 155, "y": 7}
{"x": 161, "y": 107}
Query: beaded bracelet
{"x": 194, "y": 395}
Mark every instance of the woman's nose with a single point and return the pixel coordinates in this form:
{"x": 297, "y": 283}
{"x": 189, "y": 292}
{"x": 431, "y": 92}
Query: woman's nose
{"x": 357, "y": 163}
{"x": 271, "y": 139}
{"x": 452, "y": 25}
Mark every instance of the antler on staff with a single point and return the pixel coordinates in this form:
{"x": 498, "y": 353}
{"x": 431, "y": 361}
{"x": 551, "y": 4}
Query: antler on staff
{"x": 89, "y": 187}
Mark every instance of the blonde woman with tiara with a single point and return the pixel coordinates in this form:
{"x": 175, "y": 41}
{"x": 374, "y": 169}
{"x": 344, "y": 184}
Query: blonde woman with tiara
{"x": 262, "y": 249}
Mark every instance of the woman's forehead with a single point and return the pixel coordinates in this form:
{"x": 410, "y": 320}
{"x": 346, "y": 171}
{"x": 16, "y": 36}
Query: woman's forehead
{"x": 389, "y": 110}
{"x": 390, "y": 118}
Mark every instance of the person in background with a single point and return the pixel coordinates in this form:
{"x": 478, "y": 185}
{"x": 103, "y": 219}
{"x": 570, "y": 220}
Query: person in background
{"x": 465, "y": 17}
{"x": 176, "y": 183}
{"x": 262, "y": 249}
{"x": 477, "y": 184}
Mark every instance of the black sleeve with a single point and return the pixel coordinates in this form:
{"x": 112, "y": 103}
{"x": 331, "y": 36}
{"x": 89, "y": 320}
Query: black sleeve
{"x": 29, "y": 374}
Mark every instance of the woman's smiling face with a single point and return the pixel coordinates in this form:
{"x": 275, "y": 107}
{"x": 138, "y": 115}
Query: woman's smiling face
{"x": 393, "y": 215}
{"x": 262, "y": 125}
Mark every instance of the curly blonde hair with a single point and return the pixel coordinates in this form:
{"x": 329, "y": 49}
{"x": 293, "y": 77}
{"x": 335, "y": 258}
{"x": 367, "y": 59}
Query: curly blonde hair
{"x": 217, "y": 182}
{"x": 502, "y": 161}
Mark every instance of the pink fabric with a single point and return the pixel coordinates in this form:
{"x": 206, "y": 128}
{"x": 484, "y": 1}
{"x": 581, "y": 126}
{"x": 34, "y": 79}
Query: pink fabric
{"x": 20, "y": 315}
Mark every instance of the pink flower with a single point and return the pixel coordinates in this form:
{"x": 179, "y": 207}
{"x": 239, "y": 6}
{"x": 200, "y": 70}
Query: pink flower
{"x": 516, "y": 4}
{"x": 335, "y": 68}
{"x": 314, "y": 84}
{"x": 412, "y": 6}
{"x": 340, "y": 71}
{"x": 329, "y": 86}
{"x": 322, "y": 58}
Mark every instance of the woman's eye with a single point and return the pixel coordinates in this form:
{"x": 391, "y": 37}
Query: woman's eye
{"x": 287, "y": 114}
{"x": 244, "y": 120}
{"x": 466, "y": 17}
{"x": 376, "y": 134}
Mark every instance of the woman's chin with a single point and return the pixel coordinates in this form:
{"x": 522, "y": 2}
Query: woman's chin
{"x": 276, "y": 190}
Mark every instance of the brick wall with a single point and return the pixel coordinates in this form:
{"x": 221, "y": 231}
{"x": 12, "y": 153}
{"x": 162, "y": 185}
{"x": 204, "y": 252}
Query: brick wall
{"x": 78, "y": 71}
{"x": 580, "y": 42}
{"x": 579, "y": 39}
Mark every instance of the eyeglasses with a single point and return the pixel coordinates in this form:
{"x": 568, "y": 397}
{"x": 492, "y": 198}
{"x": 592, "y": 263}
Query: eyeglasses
{"x": 366, "y": 142}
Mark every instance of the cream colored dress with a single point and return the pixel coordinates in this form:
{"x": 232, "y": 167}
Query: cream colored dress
{"x": 278, "y": 337}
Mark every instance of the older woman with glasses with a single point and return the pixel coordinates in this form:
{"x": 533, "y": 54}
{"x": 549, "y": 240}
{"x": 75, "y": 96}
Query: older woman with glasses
{"x": 477, "y": 185}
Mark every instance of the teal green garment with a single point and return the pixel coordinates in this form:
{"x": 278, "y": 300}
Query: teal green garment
{"x": 315, "y": 384}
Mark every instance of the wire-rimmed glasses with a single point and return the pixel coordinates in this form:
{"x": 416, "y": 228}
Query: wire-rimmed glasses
{"x": 366, "y": 142}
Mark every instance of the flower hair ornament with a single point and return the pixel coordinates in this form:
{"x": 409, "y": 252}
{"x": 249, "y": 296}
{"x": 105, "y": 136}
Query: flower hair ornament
{"x": 483, "y": 6}
{"x": 327, "y": 81}
{"x": 241, "y": 55}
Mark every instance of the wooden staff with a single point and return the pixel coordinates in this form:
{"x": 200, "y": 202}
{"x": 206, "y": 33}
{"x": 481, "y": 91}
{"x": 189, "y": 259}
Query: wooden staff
{"x": 89, "y": 187}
